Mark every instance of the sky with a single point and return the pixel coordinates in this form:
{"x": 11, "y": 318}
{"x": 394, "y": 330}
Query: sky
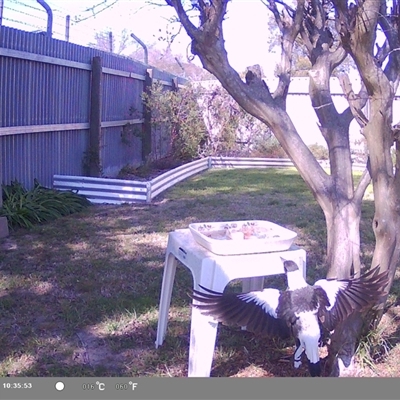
{"x": 245, "y": 28}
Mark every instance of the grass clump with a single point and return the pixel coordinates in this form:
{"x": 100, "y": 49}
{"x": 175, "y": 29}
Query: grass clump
{"x": 374, "y": 347}
{"x": 25, "y": 208}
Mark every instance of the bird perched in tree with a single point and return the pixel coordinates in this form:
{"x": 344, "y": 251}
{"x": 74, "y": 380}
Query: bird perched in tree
{"x": 301, "y": 311}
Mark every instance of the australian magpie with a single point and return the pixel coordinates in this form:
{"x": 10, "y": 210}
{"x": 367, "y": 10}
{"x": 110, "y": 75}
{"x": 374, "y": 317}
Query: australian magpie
{"x": 302, "y": 311}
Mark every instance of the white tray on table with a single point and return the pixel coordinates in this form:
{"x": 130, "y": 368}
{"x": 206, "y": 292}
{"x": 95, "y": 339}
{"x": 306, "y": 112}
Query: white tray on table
{"x": 242, "y": 237}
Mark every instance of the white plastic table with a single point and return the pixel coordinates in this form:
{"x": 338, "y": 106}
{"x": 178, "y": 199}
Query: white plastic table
{"x": 214, "y": 272}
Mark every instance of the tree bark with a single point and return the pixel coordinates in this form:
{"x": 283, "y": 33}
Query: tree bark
{"x": 343, "y": 237}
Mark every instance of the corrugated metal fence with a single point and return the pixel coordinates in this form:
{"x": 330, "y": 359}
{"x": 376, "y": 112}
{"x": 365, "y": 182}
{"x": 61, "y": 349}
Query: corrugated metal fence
{"x": 46, "y": 108}
{"x": 118, "y": 191}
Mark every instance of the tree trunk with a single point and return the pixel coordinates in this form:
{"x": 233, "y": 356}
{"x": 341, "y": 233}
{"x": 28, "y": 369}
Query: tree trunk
{"x": 343, "y": 238}
{"x": 386, "y": 225}
{"x": 343, "y": 345}
{"x": 343, "y": 248}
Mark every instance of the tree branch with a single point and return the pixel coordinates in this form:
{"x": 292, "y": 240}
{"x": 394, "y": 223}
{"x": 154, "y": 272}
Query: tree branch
{"x": 290, "y": 27}
{"x": 356, "y": 102}
{"x": 317, "y": 13}
{"x": 382, "y": 52}
{"x": 254, "y": 78}
{"x": 191, "y": 29}
{"x": 291, "y": 11}
{"x": 306, "y": 39}
{"x": 389, "y": 48}
{"x": 337, "y": 57}
{"x": 357, "y": 27}
{"x": 212, "y": 15}
{"x": 320, "y": 94}
{"x": 362, "y": 185}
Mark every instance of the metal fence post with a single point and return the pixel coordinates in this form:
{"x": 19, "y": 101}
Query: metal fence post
{"x": 1, "y": 11}
{"x": 148, "y": 193}
{"x": 49, "y": 17}
{"x": 67, "y": 27}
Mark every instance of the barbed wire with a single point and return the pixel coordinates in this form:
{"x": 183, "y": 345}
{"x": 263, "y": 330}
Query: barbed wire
{"x": 27, "y": 5}
{"x": 30, "y": 16}
{"x": 95, "y": 10}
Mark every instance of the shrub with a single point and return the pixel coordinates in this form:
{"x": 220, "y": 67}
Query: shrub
{"x": 320, "y": 152}
{"x": 197, "y": 121}
{"x": 177, "y": 122}
{"x": 267, "y": 146}
{"x": 25, "y": 208}
{"x": 232, "y": 131}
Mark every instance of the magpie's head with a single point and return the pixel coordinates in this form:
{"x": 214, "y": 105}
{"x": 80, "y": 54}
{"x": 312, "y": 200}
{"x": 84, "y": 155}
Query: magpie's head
{"x": 289, "y": 266}
{"x": 314, "y": 368}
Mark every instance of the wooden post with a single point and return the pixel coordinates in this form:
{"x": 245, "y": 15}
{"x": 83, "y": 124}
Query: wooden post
{"x": 147, "y": 137}
{"x": 173, "y": 134}
{"x": 175, "y": 84}
{"x": 3, "y": 227}
{"x": 93, "y": 154}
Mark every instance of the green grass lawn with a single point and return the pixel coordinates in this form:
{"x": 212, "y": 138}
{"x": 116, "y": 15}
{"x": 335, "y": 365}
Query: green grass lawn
{"x": 79, "y": 296}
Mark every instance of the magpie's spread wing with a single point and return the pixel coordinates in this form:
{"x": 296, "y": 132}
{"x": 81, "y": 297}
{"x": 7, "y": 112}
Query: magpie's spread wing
{"x": 255, "y": 310}
{"x": 348, "y": 295}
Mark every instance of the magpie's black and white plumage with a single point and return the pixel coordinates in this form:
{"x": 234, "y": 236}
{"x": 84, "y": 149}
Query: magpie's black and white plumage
{"x": 302, "y": 311}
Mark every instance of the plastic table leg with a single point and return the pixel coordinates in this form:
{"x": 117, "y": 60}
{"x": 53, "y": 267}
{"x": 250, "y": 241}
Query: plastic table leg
{"x": 203, "y": 333}
{"x": 165, "y": 297}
